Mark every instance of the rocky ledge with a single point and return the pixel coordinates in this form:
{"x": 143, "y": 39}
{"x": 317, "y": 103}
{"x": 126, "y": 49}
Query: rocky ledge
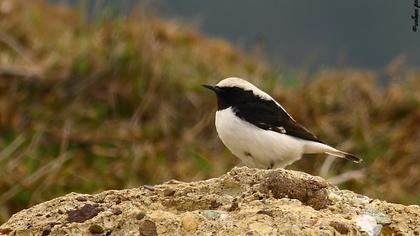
{"x": 242, "y": 202}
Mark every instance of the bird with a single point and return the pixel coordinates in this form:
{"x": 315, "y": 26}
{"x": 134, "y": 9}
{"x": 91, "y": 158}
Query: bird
{"x": 259, "y": 131}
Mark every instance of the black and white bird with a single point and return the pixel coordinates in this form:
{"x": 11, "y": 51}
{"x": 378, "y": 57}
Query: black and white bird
{"x": 259, "y": 131}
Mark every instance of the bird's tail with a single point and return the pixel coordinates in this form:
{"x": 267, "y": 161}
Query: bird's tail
{"x": 345, "y": 155}
{"x": 316, "y": 147}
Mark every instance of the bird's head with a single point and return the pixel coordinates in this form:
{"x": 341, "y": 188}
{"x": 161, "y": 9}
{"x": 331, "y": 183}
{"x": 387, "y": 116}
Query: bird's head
{"x": 234, "y": 91}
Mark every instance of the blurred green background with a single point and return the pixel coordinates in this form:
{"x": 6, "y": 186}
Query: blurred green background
{"x": 116, "y": 102}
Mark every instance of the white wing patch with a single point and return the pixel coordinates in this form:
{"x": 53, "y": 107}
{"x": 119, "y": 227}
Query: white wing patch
{"x": 282, "y": 129}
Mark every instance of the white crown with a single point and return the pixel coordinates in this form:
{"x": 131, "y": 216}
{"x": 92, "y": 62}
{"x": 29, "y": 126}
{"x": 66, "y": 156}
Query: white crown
{"x": 245, "y": 85}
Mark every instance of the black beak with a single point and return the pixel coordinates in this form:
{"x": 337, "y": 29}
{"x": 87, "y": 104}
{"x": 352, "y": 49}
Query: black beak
{"x": 212, "y": 88}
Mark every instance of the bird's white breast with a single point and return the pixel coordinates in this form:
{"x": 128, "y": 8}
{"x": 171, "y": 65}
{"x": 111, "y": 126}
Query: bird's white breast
{"x": 254, "y": 146}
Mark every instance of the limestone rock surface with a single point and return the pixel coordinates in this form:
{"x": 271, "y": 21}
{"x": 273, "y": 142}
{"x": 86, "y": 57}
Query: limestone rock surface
{"x": 242, "y": 202}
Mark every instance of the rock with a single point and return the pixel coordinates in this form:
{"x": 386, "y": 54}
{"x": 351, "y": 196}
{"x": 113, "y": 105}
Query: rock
{"x": 261, "y": 228}
{"x": 5, "y": 230}
{"x": 265, "y": 212}
{"x": 191, "y": 221}
{"x": 310, "y": 192}
{"x": 140, "y": 215}
{"x": 212, "y": 215}
{"x": 148, "y": 228}
{"x": 96, "y": 229}
{"x": 368, "y": 224}
{"x": 46, "y": 232}
{"x": 340, "y": 227}
{"x": 168, "y": 192}
{"x": 379, "y": 216}
{"x": 81, "y": 198}
{"x": 116, "y": 211}
{"x": 242, "y": 202}
{"x": 88, "y": 211}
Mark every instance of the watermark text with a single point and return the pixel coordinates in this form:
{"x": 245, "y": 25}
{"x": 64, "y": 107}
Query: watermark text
{"x": 415, "y": 16}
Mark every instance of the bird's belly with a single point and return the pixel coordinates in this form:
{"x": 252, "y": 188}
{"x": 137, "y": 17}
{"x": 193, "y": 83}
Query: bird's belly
{"x": 254, "y": 146}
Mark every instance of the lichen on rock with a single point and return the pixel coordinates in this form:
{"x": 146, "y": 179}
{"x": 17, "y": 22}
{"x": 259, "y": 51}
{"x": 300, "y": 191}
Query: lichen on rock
{"x": 242, "y": 202}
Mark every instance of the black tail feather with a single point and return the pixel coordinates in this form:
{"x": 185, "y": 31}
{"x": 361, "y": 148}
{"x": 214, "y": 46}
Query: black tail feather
{"x": 352, "y": 157}
{"x": 345, "y": 155}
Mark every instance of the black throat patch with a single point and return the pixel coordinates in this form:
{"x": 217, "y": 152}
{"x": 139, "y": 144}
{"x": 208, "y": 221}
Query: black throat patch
{"x": 235, "y": 97}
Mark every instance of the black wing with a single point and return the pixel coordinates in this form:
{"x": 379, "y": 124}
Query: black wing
{"x": 269, "y": 116}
